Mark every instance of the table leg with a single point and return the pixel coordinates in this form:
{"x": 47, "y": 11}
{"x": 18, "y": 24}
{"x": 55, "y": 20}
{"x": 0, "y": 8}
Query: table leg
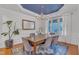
{"x": 34, "y": 49}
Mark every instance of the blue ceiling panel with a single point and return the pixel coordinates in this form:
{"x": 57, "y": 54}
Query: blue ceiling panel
{"x": 43, "y": 8}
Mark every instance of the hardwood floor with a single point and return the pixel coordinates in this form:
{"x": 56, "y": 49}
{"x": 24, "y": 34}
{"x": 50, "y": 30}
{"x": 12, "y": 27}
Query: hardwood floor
{"x": 5, "y": 51}
{"x": 72, "y": 49}
{"x": 8, "y": 51}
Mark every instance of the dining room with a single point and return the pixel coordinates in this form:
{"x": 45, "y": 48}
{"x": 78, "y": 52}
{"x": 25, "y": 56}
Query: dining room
{"x": 39, "y": 29}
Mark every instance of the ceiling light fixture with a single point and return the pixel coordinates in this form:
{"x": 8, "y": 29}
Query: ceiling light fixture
{"x": 41, "y": 15}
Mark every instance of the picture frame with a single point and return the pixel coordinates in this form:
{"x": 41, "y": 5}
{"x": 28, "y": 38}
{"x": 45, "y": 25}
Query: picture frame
{"x": 28, "y": 25}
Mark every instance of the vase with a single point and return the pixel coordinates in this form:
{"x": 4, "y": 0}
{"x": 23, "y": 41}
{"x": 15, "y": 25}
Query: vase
{"x": 9, "y": 43}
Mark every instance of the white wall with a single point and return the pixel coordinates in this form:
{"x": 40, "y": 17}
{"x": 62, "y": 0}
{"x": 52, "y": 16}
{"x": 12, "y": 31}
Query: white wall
{"x": 6, "y": 14}
{"x": 75, "y": 26}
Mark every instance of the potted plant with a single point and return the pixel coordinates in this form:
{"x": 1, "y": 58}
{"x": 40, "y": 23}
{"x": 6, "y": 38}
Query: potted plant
{"x": 10, "y": 33}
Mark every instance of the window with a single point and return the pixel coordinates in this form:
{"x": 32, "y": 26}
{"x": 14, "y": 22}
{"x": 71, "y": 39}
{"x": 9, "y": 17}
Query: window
{"x": 55, "y": 25}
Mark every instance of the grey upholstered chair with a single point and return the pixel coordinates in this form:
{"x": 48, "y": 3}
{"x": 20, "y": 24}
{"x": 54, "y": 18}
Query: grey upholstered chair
{"x": 32, "y": 34}
{"x": 55, "y": 39}
{"x": 44, "y": 48}
{"x": 27, "y": 47}
{"x": 47, "y": 43}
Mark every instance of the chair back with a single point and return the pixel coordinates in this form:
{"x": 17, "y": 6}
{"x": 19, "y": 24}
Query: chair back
{"x": 32, "y": 34}
{"x": 26, "y": 44}
{"x": 48, "y": 42}
{"x": 55, "y": 39}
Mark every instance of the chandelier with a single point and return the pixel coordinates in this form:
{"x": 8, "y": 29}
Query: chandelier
{"x": 41, "y": 16}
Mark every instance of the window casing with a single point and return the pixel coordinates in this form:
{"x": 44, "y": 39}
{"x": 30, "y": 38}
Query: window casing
{"x": 56, "y": 25}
